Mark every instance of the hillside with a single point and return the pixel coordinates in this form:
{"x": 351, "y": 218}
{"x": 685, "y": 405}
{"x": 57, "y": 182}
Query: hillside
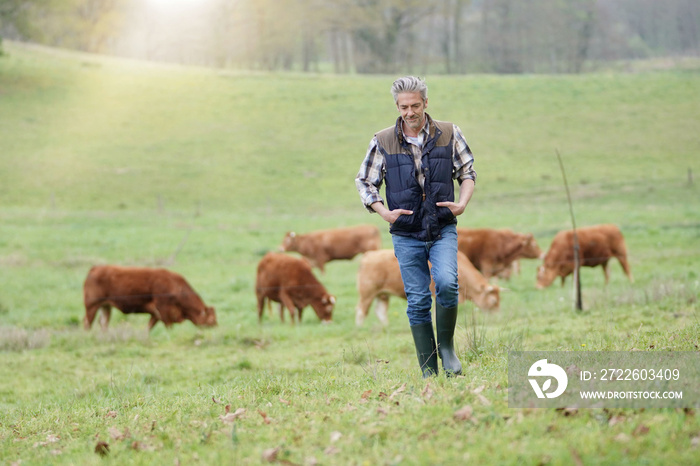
{"x": 202, "y": 172}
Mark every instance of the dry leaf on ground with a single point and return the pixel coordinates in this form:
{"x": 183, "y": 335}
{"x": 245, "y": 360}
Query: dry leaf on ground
{"x": 270, "y": 455}
{"x": 332, "y": 450}
{"x": 266, "y": 419}
{"x": 102, "y": 448}
{"x": 116, "y": 434}
{"x": 641, "y": 429}
{"x": 230, "y": 417}
{"x": 399, "y": 390}
{"x": 464, "y": 414}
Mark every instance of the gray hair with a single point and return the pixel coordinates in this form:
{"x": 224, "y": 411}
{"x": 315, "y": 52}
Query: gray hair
{"x": 409, "y": 84}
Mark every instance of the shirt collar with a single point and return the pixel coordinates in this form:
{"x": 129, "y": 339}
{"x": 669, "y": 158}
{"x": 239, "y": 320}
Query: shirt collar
{"x": 425, "y": 131}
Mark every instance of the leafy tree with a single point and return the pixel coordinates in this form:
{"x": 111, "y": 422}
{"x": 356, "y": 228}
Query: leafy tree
{"x": 13, "y": 18}
{"x": 84, "y": 25}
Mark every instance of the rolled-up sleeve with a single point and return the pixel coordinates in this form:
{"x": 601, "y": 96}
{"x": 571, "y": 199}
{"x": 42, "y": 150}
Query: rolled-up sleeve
{"x": 371, "y": 175}
{"x": 462, "y": 158}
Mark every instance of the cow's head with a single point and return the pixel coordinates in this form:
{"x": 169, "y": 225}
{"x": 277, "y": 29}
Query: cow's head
{"x": 206, "y": 317}
{"x": 545, "y": 276}
{"x": 530, "y": 248}
{"x": 489, "y": 297}
{"x": 289, "y": 242}
{"x": 324, "y": 308}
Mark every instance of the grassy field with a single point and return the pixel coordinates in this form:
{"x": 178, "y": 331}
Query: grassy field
{"x": 109, "y": 161}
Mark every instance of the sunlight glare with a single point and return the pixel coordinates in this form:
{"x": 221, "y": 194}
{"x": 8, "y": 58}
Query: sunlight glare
{"x": 176, "y": 4}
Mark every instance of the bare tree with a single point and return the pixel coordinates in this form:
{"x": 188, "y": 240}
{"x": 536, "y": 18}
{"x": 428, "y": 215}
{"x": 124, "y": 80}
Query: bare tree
{"x": 98, "y": 20}
{"x": 501, "y": 36}
{"x": 379, "y": 27}
{"x": 368, "y": 36}
{"x": 448, "y": 31}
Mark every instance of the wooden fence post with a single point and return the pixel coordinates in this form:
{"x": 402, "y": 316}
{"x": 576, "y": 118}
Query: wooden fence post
{"x": 578, "y": 303}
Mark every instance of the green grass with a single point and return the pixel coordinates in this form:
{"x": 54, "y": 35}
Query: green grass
{"x": 109, "y": 161}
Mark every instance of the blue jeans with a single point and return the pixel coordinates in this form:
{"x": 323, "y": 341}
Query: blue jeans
{"x": 413, "y": 256}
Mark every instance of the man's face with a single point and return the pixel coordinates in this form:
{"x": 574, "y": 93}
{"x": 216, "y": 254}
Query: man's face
{"x": 412, "y": 109}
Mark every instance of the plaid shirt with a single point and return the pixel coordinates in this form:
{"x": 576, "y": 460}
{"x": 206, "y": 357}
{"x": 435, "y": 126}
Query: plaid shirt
{"x": 373, "y": 169}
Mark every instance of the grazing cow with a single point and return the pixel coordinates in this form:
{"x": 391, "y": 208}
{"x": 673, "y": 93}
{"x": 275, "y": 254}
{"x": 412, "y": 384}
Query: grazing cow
{"x": 323, "y": 246}
{"x": 163, "y": 294}
{"x": 597, "y": 244}
{"x": 513, "y": 269}
{"x": 493, "y": 252}
{"x": 289, "y": 281}
{"x": 379, "y": 277}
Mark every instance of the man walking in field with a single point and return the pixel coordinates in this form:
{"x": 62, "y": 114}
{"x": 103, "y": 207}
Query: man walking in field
{"x": 419, "y": 158}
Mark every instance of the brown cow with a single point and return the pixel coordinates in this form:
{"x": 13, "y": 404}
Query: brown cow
{"x": 323, "y": 246}
{"x": 493, "y": 251}
{"x": 379, "y": 277}
{"x": 289, "y": 281}
{"x": 163, "y": 294}
{"x": 597, "y": 244}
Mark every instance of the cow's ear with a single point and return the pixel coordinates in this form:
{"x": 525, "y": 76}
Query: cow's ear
{"x": 332, "y": 299}
{"x": 292, "y": 234}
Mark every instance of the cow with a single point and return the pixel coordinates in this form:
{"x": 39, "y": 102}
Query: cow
{"x": 323, "y": 246}
{"x": 379, "y": 277}
{"x": 513, "y": 269}
{"x": 597, "y": 245}
{"x": 289, "y": 281}
{"x": 163, "y": 294}
{"x": 493, "y": 252}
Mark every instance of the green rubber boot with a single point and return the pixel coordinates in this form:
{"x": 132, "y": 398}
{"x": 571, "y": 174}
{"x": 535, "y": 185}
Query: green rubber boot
{"x": 424, "y": 340}
{"x": 445, "y": 322}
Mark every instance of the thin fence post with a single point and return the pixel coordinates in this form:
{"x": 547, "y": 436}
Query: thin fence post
{"x": 578, "y": 303}
{"x": 171, "y": 259}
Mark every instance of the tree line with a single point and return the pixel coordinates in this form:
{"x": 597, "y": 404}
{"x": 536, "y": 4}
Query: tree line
{"x": 366, "y": 36}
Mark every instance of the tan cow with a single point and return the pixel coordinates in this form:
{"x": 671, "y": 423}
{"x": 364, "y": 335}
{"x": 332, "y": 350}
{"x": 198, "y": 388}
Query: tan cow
{"x": 289, "y": 281}
{"x": 379, "y": 277}
{"x": 493, "y": 252}
{"x": 597, "y": 245}
{"x": 323, "y": 246}
{"x": 163, "y": 294}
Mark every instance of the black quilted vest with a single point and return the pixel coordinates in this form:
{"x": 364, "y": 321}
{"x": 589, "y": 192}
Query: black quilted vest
{"x": 402, "y": 188}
